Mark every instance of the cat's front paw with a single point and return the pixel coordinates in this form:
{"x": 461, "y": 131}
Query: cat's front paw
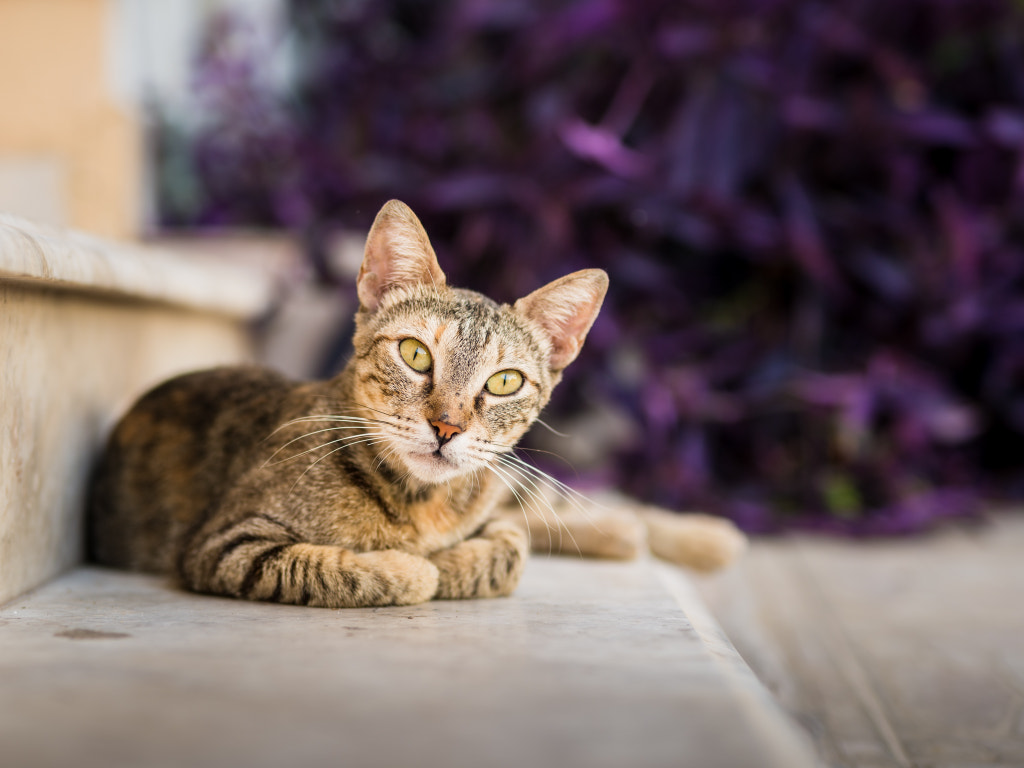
{"x": 488, "y": 565}
{"x": 406, "y": 579}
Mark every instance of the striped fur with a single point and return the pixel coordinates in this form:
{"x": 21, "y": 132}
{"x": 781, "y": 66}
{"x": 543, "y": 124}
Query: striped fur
{"x": 340, "y": 493}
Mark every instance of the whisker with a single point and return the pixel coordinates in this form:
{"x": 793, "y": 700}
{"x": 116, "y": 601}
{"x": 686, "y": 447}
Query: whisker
{"x": 526, "y": 518}
{"x": 513, "y": 448}
{"x": 302, "y": 437}
{"x": 533, "y": 475}
{"x": 550, "y": 428}
{"x": 322, "y": 417}
{"x": 375, "y": 410}
{"x": 348, "y": 440}
{"x": 360, "y": 407}
{"x": 329, "y": 453}
{"x": 537, "y": 472}
{"x": 390, "y": 451}
{"x": 537, "y": 494}
{"x": 565, "y": 492}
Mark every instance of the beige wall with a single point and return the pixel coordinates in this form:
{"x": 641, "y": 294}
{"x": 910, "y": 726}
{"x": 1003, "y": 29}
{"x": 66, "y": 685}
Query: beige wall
{"x": 69, "y": 154}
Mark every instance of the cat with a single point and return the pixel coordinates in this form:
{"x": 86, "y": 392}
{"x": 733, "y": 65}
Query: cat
{"x": 384, "y": 484}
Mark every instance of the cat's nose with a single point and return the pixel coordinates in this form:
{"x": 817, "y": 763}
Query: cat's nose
{"x": 445, "y": 431}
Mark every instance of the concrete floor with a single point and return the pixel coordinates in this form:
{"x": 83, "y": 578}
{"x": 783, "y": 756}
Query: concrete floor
{"x": 890, "y": 653}
{"x": 588, "y": 664}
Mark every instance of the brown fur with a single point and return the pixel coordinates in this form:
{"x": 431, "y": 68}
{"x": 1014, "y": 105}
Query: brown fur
{"x": 342, "y": 493}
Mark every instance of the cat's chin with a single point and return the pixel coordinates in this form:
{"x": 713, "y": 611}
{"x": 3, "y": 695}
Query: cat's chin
{"x": 433, "y": 468}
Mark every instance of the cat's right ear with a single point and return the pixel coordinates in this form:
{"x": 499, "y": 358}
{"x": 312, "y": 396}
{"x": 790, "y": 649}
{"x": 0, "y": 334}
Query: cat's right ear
{"x": 398, "y": 253}
{"x": 566, "y": 309}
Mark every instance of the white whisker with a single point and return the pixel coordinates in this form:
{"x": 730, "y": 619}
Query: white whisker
{"x": 552, "y": 429}
{"x": 323, "y": 417}
{"x": 536, "y": 493}
{"x": 508, "y": 484}
{"x": 568, "y": 492}
{"x": 348, "y": 440}
{"x": 382, "y": 457}
{"x": 302, "y": 437}
{"x": 369, "y": 441}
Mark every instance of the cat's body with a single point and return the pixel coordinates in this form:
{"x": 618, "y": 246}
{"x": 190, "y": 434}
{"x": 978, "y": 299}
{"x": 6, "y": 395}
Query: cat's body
{"x": 380, "y": 486}
{"x": 218, "y": 492}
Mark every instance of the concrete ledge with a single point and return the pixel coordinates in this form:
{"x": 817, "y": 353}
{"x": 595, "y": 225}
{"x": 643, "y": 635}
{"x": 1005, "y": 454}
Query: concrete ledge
{"x": 589, "y": 664}
{"x": 64, "y": 259}
{"x": 85, "y": 327}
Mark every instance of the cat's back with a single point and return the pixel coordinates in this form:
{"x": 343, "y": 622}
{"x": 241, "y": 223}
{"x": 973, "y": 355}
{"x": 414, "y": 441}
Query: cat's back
{"x": 171, "y": 456}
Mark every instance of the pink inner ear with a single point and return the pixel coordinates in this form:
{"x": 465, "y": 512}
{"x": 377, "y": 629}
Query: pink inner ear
{"x": 369, "y": 289}
{"x": 567, "y": 335}
{"x": 566, "y": 309}
{"x": 398, "y": 253}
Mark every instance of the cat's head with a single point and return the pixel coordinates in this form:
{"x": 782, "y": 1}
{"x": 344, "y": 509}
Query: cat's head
{"x": 450, "y": 377}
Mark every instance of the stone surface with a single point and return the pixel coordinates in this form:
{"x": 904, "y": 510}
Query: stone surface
{"x": 31, "y": 253}
{"x": 891, "y": 653}
{"x": 77, "y": 345}
{"x": 69, "y": 364}
{"x": 587, "y": 664}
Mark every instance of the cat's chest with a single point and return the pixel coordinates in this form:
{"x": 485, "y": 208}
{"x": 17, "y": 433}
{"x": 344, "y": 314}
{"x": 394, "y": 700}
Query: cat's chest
{"x": 449, "y": 516}
{"x": 423, "y": 523}
{"x": 438, "y": 526}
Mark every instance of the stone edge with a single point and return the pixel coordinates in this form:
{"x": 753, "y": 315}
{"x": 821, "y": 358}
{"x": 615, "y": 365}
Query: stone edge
{"x": 786, "y": 745}
{"x": 31, "y": 253}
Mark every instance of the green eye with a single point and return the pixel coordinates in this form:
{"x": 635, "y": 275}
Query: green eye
{"x": 504, "y": 382}
{"x": 416, "y": 355}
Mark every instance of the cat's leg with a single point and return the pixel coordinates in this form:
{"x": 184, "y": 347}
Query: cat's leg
{"x": 616, "y": 527}
{"x": 257, "y": 559}
{"x": 580, "y": 527}
{"x": 486, "y": 565}
{"x": 609, "y": 534}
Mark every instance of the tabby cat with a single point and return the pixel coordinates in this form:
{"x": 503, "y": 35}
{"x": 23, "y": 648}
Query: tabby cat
{"x": 384, "y": 484}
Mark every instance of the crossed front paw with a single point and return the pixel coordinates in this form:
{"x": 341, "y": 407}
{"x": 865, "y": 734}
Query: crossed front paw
{"x": 488, "y": 565}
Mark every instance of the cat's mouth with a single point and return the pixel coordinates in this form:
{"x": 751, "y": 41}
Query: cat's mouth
{"x": 438, "y": 458}
{"x": 433, "y": 466}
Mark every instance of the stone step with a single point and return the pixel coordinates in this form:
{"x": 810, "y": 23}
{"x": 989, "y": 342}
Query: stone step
{"x": 85, "y": 326}
{"x": 588, "y": 664}
{"x": 894, "y": 652}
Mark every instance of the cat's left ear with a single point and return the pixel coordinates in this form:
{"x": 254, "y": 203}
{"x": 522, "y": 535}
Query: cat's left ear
{"x": 566, "y": 309}
{"x": 398, "y": 253}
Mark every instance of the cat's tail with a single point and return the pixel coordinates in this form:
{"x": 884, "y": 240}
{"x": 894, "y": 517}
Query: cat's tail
{"x": 701, "y": 542}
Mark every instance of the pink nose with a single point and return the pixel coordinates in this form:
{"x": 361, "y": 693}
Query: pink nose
{"x": 445, "y": 430}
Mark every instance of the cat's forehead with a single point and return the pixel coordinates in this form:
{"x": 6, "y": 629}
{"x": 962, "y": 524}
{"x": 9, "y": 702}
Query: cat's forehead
{"x": 454, "y": 313}
{"x": 447, "y": 305}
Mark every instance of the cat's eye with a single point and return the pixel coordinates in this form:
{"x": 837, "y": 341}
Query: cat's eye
{"x": 504, "y": 382}
{"x": 416, "y": 355}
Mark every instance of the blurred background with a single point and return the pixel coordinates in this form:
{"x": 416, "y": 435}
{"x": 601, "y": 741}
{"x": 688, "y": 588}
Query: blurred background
{"x": 812, "y": 213}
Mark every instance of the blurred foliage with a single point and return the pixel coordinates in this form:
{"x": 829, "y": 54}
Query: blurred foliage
{"x": 811, "y": 212}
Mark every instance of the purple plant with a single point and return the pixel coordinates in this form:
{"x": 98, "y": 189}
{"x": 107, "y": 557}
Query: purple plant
{"x": 812, "y": 214}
